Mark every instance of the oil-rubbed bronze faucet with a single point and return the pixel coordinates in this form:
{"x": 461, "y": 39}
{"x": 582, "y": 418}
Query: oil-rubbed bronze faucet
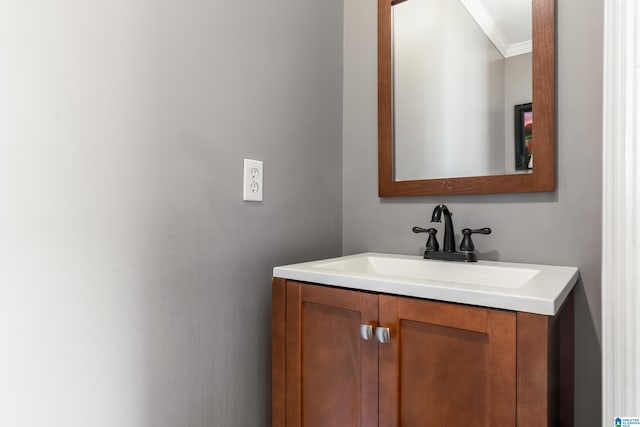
{"x": 449, "y": 237}
{"x": 467, "y": 249}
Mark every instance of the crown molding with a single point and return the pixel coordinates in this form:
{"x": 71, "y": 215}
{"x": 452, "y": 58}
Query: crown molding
{"x": 519, "y": 49}
{"x": 479, "y": 13}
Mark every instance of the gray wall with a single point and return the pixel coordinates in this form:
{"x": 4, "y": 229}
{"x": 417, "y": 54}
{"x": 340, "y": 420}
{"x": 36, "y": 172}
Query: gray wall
{"x": 134, "y": 282}
{"x": 557, "y": 228}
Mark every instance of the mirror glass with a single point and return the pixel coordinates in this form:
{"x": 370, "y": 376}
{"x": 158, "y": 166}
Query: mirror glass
{"x": 462, "y": 88}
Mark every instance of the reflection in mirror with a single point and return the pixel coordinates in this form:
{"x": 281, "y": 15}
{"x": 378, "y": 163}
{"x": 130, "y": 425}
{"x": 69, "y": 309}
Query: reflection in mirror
{"x": 460, "y": 68}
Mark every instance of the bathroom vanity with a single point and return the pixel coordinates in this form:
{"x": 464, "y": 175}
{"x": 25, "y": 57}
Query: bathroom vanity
{"x": 393, "y": 340}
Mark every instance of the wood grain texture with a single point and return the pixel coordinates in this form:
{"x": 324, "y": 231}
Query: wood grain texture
{"x": 545, "y": 348}
{"x": 369, "y": 310}
{"x": 543, "y": 177}
{"x": 331, "y": 366}
{"x": 332, "y": 373}
{"x": 501, "y": 329}
{"x": 385, "y": 102}
{"x": 389, "y": 364}
{"x": 446, "y": 362}
{"x": 470, "y": 185}
{"x": 444, "y": 375}
{"x": 339, "y": 298}
{"x": 294, "y": 354}
{"x": 443, "y": 314}
{"x": 278, "y": 376}
{"x": 533, "y": 369}
{"x": 544, "y": 95}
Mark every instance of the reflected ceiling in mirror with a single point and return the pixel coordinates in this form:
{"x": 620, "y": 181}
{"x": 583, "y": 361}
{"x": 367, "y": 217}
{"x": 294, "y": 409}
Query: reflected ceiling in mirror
{"x": 459, "y": 68}
{"x": 456, "y": 80}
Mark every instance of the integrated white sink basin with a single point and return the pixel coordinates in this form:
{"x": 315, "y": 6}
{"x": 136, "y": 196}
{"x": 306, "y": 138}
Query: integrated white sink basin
{"x": 470, "y": 274}
{"x": 531, "y": 288}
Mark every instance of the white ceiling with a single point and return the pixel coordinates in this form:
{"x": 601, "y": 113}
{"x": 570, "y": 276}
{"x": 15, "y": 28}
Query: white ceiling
{"x": 507, "y": 23}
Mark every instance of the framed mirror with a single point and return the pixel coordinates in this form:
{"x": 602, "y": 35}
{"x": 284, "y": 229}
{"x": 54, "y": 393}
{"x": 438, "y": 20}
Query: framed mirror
{"x": 471, "y": 130}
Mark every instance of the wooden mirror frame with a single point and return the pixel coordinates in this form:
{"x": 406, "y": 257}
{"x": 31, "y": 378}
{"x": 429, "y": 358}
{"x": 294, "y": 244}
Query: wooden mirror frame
{"x": 543, "y": 175}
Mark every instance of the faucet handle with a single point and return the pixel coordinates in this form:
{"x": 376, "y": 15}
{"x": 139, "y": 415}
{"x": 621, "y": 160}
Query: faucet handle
{"x": 467, "y": 244}
{"x": 432, "y": 241}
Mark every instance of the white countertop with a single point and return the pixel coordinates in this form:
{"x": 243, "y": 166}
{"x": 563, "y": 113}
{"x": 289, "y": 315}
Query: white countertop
{"x": 532, "y": 288}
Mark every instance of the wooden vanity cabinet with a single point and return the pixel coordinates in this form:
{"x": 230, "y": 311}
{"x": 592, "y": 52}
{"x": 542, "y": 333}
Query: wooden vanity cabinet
{"x": 445, "y": 364}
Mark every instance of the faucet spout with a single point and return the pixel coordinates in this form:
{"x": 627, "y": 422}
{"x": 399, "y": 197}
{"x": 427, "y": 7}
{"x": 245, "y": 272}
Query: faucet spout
{"x": 467, "y": 251}
{"x": 449, "y": 236}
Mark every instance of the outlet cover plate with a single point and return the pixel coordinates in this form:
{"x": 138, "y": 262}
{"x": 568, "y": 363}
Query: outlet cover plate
{"x": 252, "y": 182}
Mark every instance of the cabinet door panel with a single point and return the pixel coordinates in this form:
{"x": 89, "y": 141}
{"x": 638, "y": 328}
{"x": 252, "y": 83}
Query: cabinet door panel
{"x": 447, "y": 364}
{"x": 331, "y": 370}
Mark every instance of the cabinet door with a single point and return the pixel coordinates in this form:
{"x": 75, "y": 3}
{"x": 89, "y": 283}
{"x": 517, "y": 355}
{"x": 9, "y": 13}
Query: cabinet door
{"x": 331, "y": 372}
{"x": 446, "y": 364}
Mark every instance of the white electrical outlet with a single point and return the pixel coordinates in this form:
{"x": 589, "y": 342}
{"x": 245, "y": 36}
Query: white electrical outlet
{"x": 252, "y": 182}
